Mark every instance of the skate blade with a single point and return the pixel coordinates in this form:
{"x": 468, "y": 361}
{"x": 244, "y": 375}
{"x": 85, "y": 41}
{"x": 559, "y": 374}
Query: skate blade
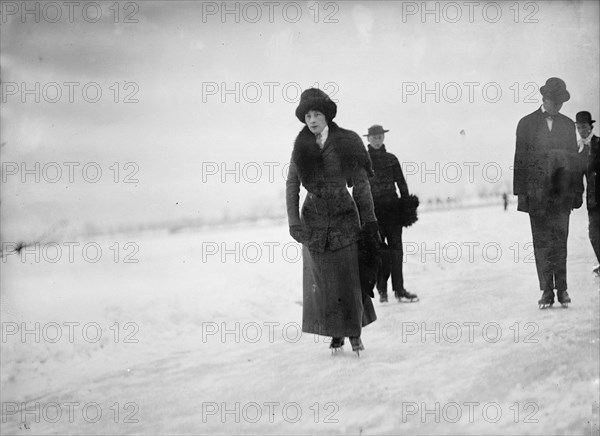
{"x": 564, "y": 305}
{"x": 408, "y": 300}
{"x": 358, "y": 350}
{"x": 334, "y": 351}
{"x": 545, "y": 306}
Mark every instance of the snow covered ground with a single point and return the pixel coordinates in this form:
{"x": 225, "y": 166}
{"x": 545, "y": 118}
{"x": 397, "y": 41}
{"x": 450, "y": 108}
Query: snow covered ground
{"x": 201, "y": 336}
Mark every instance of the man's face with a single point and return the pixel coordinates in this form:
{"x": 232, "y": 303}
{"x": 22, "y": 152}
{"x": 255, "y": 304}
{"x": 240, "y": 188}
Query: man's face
{"x": 551, "y": 106}
{"x": 584, "y": 129}
{"x": 315, "y": 121}
{"x": 376, "y": 141}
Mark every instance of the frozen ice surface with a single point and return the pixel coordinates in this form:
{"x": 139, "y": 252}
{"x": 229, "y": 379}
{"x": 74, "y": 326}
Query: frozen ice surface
{"x": 201, "y": 336}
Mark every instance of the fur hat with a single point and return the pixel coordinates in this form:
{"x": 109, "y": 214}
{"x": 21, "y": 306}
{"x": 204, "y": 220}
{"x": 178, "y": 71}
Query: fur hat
{"x": 315, "y": 99}
{"x": 555, "y": 89}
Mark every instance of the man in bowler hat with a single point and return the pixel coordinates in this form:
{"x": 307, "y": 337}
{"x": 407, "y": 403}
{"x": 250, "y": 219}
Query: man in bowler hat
{"x": 547, "y": 186}
{"x": 388, "y": 174}
{"x": 589, "y": 145}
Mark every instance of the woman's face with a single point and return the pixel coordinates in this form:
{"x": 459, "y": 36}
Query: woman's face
{"x": 315, "y": 121}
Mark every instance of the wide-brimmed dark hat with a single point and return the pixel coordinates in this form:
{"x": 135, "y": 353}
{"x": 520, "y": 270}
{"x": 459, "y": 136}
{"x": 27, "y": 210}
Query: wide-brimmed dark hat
{"x": 555, "y": 89}
{"x": 376, "y": 129}
{"x": 584, "y": 117}
{"x": 313, "y": 99}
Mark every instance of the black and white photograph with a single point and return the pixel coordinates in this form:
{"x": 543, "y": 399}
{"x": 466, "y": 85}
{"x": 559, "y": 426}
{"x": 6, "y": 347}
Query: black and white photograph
{"x": 299, "y": 217}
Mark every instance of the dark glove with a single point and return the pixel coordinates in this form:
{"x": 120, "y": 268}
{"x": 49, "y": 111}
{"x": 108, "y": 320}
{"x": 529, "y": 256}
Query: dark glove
{"x": 368, "y": 291}
{"x": 577, "y": 201}
{"x": 369, "y": 259}
{"x": 372, "y": 229}
{"x": 297, "y": 232}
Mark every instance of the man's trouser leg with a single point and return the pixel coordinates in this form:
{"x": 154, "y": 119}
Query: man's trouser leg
{"x": 396, "y": 253}
{"x": 550, "y": 233}
{"x": 385, "y": 269}
{"x": 540, "y": 231}
{"x": 560, "y": 234}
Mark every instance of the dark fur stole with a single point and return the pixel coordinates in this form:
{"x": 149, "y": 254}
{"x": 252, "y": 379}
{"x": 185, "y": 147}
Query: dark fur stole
{"x": 347, "y": 145}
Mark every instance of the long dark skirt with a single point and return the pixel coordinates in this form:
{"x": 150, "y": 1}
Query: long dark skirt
{"x": 333, "y": 303}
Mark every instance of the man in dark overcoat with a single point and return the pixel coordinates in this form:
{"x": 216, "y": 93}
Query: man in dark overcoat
{"x": 589, "y": 145}
{"x": 547, "y": 186}
{"x": 388, "y": 175}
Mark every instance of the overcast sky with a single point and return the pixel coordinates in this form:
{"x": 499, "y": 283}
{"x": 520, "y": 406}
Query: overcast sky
{"x": 176, "y": 70}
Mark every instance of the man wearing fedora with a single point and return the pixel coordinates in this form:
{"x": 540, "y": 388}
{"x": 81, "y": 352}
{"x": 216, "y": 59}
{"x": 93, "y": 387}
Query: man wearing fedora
{"x": 388, "y": 175}
{"x": 547, "y": 186}
{"x": 588, "y": 145}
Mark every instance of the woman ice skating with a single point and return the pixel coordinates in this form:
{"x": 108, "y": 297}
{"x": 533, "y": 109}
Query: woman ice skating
{"x": 326, "y": 159}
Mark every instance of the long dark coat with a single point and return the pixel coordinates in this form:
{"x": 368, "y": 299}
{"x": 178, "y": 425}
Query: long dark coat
{"x": 546, "y": 165}
{"x": 591, "y": 158}
{"x": 596, "y": 168}
{"x": 388, "y": 174}
{"x": 333, "y": 303}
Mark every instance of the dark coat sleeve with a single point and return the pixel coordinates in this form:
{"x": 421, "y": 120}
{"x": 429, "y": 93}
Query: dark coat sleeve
{"x": 362, "y": 170}
{"x": 521, "y": 162}
{"x": 292, "y": 196}
{"x": 361, "y": 192}
{"x": 579, "y": 165}
{"x": 399, "y": 179}
{"x": 595, "y": 167}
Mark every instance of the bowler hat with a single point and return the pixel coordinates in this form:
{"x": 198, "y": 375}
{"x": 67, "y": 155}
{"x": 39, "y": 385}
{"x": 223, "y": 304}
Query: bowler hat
{"x": 315, "y": 99}
{"x": 555, "y": 89}
{"x": 376, "y": 129}
{"x": 584, "y": 117}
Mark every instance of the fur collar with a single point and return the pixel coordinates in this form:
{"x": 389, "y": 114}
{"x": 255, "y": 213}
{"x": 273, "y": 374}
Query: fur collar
{"x": 372, "y": 150}
{"x": 308, "y": 157}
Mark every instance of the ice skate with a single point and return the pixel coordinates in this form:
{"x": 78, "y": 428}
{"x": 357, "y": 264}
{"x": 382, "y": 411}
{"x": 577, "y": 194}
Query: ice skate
{"x": 357, "y": 345}
{"x": 336, "y": 345}
{"x": 563, "y": 298}
{"x": 383, "y": 297}
{"x": 547, "y": 299}
{"x": 596, "y": 271}
{"x": 403, "y": 296}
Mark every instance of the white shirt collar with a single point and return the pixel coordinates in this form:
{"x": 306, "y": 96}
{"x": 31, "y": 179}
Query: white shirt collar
{"x": 324, "y": 134}
{"x": 548, "y": 116}
{"x": 582, "y": 142}
{"x": 589, "y": 138}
